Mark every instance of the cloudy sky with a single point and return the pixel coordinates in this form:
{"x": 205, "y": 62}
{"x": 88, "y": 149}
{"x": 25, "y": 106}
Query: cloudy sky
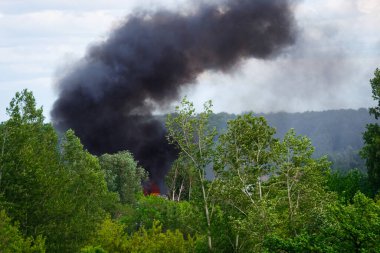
{"x": 329, "y": 67}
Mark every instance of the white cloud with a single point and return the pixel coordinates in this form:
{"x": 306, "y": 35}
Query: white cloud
{"x": 369, "y": 6}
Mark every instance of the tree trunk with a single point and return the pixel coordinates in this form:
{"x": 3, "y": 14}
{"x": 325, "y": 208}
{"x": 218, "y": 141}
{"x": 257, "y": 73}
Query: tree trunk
{"x": 207, "y": 213}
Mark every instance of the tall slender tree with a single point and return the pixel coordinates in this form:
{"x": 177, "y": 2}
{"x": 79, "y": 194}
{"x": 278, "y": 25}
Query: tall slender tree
{"x": 195, "y": 140}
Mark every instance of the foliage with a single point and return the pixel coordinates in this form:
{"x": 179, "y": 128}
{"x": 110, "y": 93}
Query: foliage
{"x": 57, "y": 192}
{"x": 371, "y": 149}
{"x": 171, "y": 215}
{"x": 375, "y": 85}
{"x": 85, "y": 198}
{"x": 248, "y": 191}
{"x": 243, "y": 159}
{"x": 195, "y": 141}
{"x": 354, "y": 227}
{"x": 299, "y": 183}
{"x": 11, "y": 239}
{"x": 181, "y": 179}
{"x": 347, "y": 159}
{"x": 191, "y": 134}
{"x": 300, "y": 243}
{"x": 30, "y": 174}
{"x": 266, "y": 185}
{"x": 351, "y": 227}
{"x": 27, "y": 147}
{"x": 348, "y": 184}
{"x": 371, "y": 152}
{"x": 92, "y": 249}
{"x": 123, "y": 175}
{"x": 112, "y": 238}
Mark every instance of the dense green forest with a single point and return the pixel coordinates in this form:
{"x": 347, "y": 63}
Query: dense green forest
{"x": 270, "y": 192}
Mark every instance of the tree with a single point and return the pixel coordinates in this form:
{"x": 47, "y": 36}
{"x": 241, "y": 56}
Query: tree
{"x": 111, "y": 236}
{"x": 195, "y": 141}
{"x": 354, "y": 227}
{"x": 244, "y": 155}
{"x": 12, "y": 240}
{"x": 268, "y": 187}
{"x": 349, "y": 183}
{"x": 123, "y": 175}
{"x": 171, "y": 214}
{"x": 298, "y": 184}
{"x": 180, "y": 180}
{"x": 371, "y": 149}
{"x": 54, "y": 191}
{"x": 375, "y": 85}
{"x": 30, "y": 171}
{"x": 84, "y": 198}
{"x": 243, "y": 163}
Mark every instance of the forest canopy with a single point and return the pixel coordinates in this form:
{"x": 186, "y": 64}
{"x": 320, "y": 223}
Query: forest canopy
{"x": 243, "y": 188}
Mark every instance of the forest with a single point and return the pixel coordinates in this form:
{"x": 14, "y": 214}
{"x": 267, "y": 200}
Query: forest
{"x": 239, "y": 188}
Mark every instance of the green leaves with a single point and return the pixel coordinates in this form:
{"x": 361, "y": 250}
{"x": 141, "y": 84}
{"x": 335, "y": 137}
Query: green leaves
{"x": 195, "y": 141}
{"x": 123, "y": 175}
{"x": 84, "y": 196}
{"x": 268, "y": 195}
{"x": 51, "y": 190}
{"x": 22, "y": 109}
{"x": 371, "y": 152}
{"x": 375, "y": 85}
{"x": 12, "y": 240}
{"x": 371, "y": 149}
{"x": 356, "y": 226}
{"x": 268, "y": 186}
{"x": 245, "y": 146}
{"x": 111, "y": 237}
{"x": 191, "y": 133}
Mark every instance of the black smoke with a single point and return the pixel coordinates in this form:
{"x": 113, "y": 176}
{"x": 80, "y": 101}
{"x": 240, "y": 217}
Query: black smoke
{"x": 109, "y": 96}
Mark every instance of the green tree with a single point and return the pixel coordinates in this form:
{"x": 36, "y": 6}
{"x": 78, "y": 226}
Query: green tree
{"x": 123, "y": 175}
{"x": 30, "y": 171}
{"x": 92, "y": 249}
{"x": 171, "y": 214}
{"x": 180, "y": 180}
{"x": 85, "y": 197}
{"x": 12, "y": 240}
{"x": 243, "y": 163}
{"x": 298, "y": 184}
{"x": 244, "y": 155}
{"x": 371, "y": 149}
{"x": 195, "y": 140}
{"x": 58, "y": 192}
{"x": 112, "y": 238}
{"x": 354, "y": 227}
{"x": 297, "y": 201}
{"x": 348, "y": 184}
{"x": 268, "y": 187}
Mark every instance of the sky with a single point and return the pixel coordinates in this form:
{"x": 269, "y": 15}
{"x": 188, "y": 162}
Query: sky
{"x": 329, "y": 66}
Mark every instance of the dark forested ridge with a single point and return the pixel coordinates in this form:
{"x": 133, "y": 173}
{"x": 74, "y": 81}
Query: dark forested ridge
{"x": 336, "y": 133}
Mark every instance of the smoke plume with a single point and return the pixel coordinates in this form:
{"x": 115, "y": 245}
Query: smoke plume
{"x": 109, "y": 95}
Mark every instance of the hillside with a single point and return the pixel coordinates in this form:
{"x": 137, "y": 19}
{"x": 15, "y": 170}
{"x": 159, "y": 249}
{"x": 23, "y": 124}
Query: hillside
{"x": 336, "y": 133}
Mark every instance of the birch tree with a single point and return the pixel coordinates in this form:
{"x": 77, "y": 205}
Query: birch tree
{"x": 195, "y": 140}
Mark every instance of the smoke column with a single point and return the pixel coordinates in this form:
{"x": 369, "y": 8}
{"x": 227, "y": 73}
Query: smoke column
{"x": 109, "y": 95}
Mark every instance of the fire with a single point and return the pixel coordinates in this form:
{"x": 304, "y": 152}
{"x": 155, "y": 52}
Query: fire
{"x": 151, "y": 188}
